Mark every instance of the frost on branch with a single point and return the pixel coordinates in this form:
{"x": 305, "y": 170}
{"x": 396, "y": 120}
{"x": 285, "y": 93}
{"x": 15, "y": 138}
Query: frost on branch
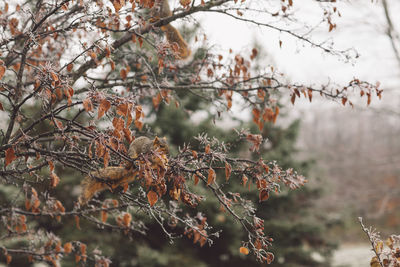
{"x": 81, "y": 80}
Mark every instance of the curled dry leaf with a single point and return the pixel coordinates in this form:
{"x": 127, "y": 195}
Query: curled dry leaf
{"x": 60, "y": 206}
{"x": 78, "y": 226}
{"x": 244, "y": 180}
{"x": 228, "y": 170}
{"x": 104, "y": 216}
{"x": 54, "y": 179}
{"x": 196, "y": 179}
{"x": 207, "y": 149}
{"x": 264, "y": 195}
{"x": 185, "y": 3}
{"x": 2, "y": 71}
{"x": 152, "y": 197}
{"x": 83, "y": 249}
{"x": 87, "y": 104}
{"x": 122, "y": 109}
{"x": 256, "y": 140}
{"x": 54, "y": 76}
{"x": 10, "y": 156}
{"x": 211, "y": 176}
{"x": 103, "y": 108}
{"x": 123, "y": 73}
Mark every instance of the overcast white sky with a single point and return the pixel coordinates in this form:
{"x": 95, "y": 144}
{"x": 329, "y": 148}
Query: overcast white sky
{"x": 361, "y": 26}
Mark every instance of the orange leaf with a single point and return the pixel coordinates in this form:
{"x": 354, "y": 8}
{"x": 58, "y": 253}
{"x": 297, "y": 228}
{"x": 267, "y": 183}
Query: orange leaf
{"x": 244, "y": 180}
{"x": 27, "y": 204}
{"x": 138, "y": 112}
{"x": 128, "y": 218}
{"x": 77, "y": 222}
{"x": 270, "y": 257}
{"x": 196, "y": 237}
{"x": 211, "y": 176}
{"x": 54, "y": 179}
{"x": 152, "y": 197}
{"x": 156, "y": 101}
{"x": 103, "y": 108}
{"x": 256, "y": 140}
{"x": 125, "y": 187}
{"x": 207, "y": 150}
{"x": 83, "y": 249}
{"x": 87, "y": 104}
{"x": 118, "y": 123}
{"x": 51, "y": 166}
{"x": 123, "y": 73}
{"x": 256, "y": 115}
{"x": 65, "y": 7}
{"x": 2, "y": 71}
{"x": 59, "y": 124}
{"x": 8, "y": 258}
{"x": 68, "y": 247}
{"x": 34, "y": 192}
{"x": 108, "y": 52}
{"x": 264, "y": 195}
{"x": 228, "y": 170}
{"x": 293, "y": 98}
{"x": 196, "y": 179}
{"x": 185, "y": 3}
{"x": 140, "y": 39}
{"x": 104, "y": 216}
{"x": 69, "y": 67}
{"x": 139, "y": 124}
{"x": 117, "y": 5}
{"x": 36, "y": 204}
{"x": 244, "y": 250}
{"x": 54, "y": 76}
{"x": 122, "y": 109}
{"x": 276, "y": 114}
{"x": 60, "y": 206}
{"x": 10, "y": 156}
{"x": 106, "y": 158}
{"x": 127, "y": 134}
{"x": 58, "y": 247}
{"x": 93, "y": 55}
